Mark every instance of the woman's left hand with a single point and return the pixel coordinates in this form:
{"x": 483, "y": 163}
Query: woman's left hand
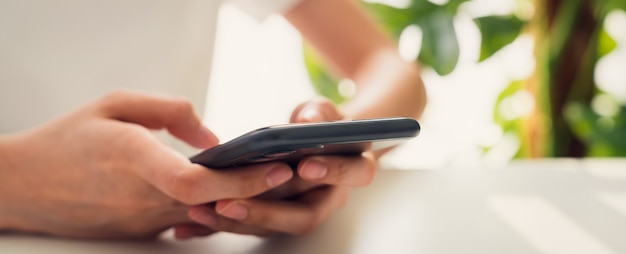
{"x": 321, "y": 187}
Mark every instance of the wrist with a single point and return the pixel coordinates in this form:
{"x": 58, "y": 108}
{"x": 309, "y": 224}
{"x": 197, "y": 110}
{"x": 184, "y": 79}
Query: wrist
{"x": 8, "y": 167}
{"x": 384, "y": 78}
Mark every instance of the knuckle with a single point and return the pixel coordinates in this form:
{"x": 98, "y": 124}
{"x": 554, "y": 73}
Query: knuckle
{"x": 359, "y": 171}
{"x": 222, "y": 225}
{"x": 367, "y": 177}
{"x": 371, "y": 169}
{"x": 181, "y": 107}
{"x": 310, "y": 225}
{"x": 134, "y": 131}
{"x": 132, "y": 137}
{"x": 246, "y": 190}
{"x": 119, "y": 95}
{"x": 180, "y": 188}
{"x": 253, "y": 181}
{"x": 340, "y": 171}
{"x": 308, "y": 228}
{"x": 116, "y": 93}
{"x": 112, "y": 98}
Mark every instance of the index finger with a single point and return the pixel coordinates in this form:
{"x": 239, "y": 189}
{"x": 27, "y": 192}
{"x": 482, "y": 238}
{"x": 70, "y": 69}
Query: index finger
{"x": 157, "y": 111}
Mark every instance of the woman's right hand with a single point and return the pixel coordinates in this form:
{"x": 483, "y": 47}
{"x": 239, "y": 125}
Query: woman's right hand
{"x": 99, "y": 172}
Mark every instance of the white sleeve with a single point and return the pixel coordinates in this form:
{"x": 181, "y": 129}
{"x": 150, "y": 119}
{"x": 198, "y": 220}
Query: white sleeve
{"x": 260, "y": 9}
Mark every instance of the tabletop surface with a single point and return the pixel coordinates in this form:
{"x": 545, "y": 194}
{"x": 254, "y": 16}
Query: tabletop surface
{"x": 547, "y": 206}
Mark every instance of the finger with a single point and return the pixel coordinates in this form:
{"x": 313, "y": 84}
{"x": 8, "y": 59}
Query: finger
{"x": 189, "y": 183}
{"x": 196, "y": 184}
{"x": 156, "y": 112}
{"x": 289, "y": 190}
{"x": 293, "y": 217}
{"x": 206, "y": 215}
{"x": 339, "y": 170}
{"x": 200, "y": 185}
{"x": 187, "y": 231}
{"x": 317, "y": 110}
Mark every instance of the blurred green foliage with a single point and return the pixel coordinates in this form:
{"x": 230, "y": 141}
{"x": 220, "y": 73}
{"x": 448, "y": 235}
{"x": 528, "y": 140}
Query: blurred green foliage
{"x": 563, "y": 91}
{"x": 570, "y": 39}
{"x": 439, "y": 45}
{"x": 605, "y": 135}
{"x": 497, "y": 32}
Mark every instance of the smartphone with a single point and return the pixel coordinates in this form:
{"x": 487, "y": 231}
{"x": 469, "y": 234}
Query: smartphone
{"x": 292, "y": 142}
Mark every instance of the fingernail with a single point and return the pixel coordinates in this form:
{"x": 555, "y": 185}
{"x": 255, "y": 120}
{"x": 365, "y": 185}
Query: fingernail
{"x": 234, "y": 210}
{"x": 312, "y": 115}
{"x": 314, "y": 170}
{"x": 278, "y": 176}
{"x": 203, "y": 217}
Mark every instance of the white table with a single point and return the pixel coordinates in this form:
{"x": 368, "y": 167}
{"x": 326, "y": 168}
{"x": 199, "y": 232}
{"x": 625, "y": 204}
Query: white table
{"x": 549, "y": 206}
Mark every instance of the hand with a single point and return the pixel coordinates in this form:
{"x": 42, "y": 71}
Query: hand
{"x": 100, "y": 172}
{"x": 322, "y": 186}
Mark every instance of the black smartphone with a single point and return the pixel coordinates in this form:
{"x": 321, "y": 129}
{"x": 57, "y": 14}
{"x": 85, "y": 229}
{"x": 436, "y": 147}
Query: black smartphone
{"x": 291, "y": 142}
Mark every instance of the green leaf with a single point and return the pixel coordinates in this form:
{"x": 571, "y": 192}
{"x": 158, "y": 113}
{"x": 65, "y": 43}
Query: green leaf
{"x": 604, "y": 136}
{"x": 508, "y": 125}
{"x": 511, "y": 89}
{"x": 604, "y": 7}
{"x": 422, "y": 8}
{"x": 440, "y": 47}
{"x": 497, "y": 32}
{"x": 453, "y": 6}
{"x": 323, "y": 81}
{"x": 606, "y": 44}
{"x": 580, "y": 119}
{"x": 395, "y": 20}
{"x": 617, "y": 4}
{"x": 392, "y": 19}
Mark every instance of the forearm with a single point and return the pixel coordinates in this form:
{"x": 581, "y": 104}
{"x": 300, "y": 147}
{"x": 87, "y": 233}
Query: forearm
{"x": 386, "y": 86}
{"x": 355, "y": 47}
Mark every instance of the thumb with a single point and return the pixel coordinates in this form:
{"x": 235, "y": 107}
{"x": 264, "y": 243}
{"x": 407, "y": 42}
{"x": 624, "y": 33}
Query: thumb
{"x": 316, "y": 110}
{"x": 155, "y": 111}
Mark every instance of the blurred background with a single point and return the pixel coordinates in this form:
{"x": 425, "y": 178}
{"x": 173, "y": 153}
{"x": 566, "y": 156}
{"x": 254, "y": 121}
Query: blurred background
{"x": 506, "y": 79}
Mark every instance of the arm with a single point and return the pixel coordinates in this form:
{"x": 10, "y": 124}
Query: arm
{"x": 355, "y": 47}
